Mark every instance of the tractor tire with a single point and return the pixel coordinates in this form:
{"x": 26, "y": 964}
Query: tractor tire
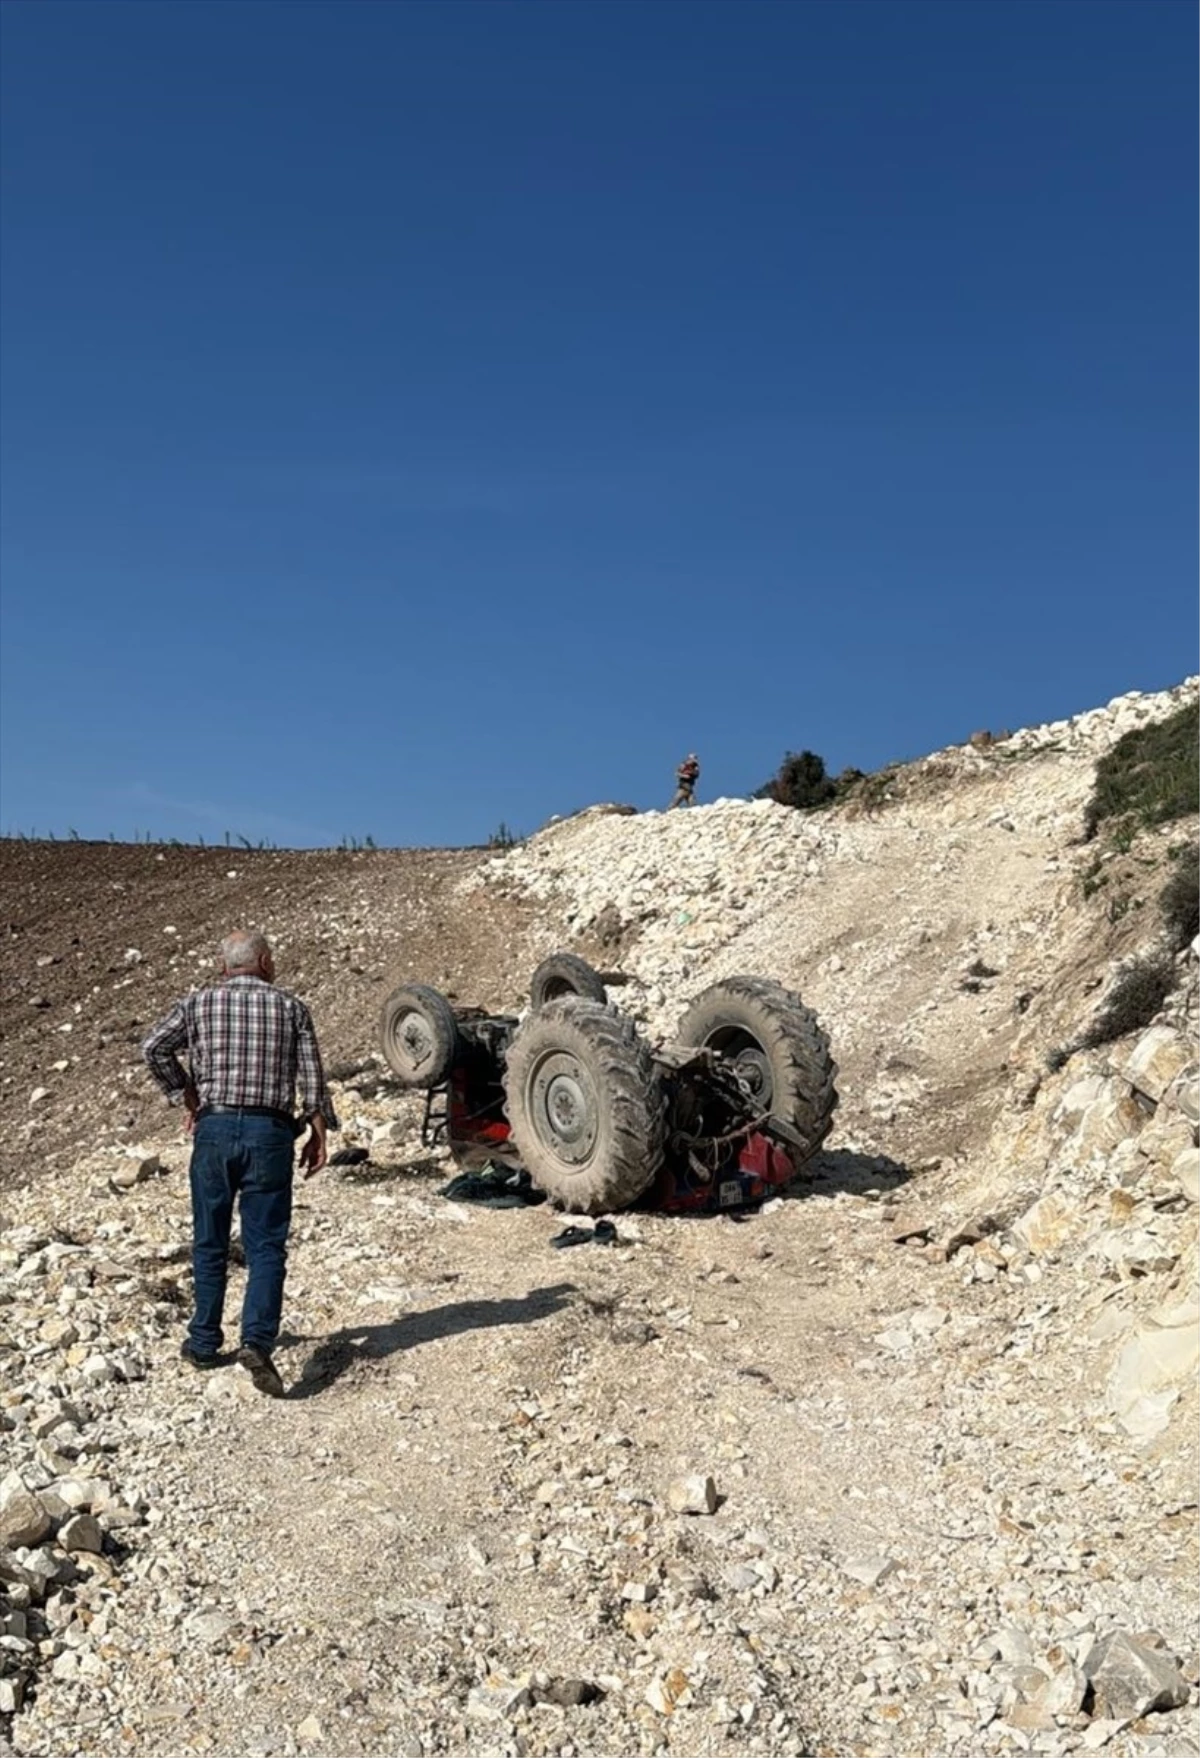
{"x": 586, "y": 1107}
{"x": 564, "y": 974}
{"x": 418, "y": 1035}
{"x": 777, "y": 1044}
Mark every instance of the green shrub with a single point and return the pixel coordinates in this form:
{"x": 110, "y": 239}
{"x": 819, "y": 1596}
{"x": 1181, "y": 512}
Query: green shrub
{"x": 1093, "y": 878}
{"x": 1139, "y": 991}
{"x": 875, "y": 790}
{"x": 801, "y": 781}
{"x": 1179, "y": 903}
{"x": 1151, "y": 775}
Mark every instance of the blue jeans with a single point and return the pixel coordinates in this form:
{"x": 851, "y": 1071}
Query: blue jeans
{"x": 247, "y": 1158}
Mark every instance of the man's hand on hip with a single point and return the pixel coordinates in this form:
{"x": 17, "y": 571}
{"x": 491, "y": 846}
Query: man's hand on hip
{"x": 314, "y": 1152}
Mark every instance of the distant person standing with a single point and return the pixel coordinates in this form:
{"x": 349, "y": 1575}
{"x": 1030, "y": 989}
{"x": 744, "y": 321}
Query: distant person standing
{"x": 686, "y": 777}
{"x": 249, "y": 1045}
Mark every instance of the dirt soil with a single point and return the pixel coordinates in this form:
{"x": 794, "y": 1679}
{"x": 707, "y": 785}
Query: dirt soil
{"x": 98, "y": 939}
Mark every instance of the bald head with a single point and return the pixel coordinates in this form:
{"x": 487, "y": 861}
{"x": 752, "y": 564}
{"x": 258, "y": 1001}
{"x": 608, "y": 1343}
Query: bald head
{"x": 246, "y": 952}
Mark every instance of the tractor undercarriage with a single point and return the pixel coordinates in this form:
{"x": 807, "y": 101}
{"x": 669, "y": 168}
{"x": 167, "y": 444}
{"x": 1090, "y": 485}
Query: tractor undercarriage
{"x": 718, "y": 1119}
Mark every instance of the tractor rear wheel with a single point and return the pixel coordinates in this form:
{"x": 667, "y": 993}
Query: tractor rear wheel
{"x": 585, "y": 1105}
{"x": 418, "y": 1035}
{"x": 565, "y": 974}
{"x": 777, "y": 1046}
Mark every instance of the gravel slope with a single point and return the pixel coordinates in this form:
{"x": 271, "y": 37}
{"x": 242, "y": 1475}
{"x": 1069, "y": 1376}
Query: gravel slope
{"x": 931, "y": 1519}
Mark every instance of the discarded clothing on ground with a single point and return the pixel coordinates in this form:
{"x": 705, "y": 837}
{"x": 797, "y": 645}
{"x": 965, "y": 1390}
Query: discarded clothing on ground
{"x": 495, "y": 1187}
{"x": 603, "y": 1233}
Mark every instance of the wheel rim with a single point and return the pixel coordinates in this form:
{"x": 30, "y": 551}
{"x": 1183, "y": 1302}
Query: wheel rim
{"x": 755, "y": 1070}
{"x": 412, "y": 1039}
{"x": 561, "y": 1102}
{"x": 749, "y": 1059}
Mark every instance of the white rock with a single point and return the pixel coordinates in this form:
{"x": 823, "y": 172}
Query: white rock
{"x": 23, "y": 1518}
{"x": 1131, "y": 1678}
{"x": 1113, "y": 1119}
{"x": 1065, "y": 1692}
{"x": 1078, "y": 1098}
{"x": 1136, "y": 1251}
{"x": 1048, "y": 1224}
{"x": 82, "y": 1532}
{"x": 498, "y": 1698}
{"x": 83, "y": 1492}
{"x": 1160, "y": 1357}
{"x": 1158, "y": 1056}
{"x": 1186, "y": 1172}
{"x": 1099, "y": 1732}
{"x": 1184, "y": 1097}
{"x": 135, "y": 1168}
{"x": 696, "y": 1494}
{"x": 210, "y": 1625}
{"x": 870, "y": 1570}
{"x": 1013, "y": 1645}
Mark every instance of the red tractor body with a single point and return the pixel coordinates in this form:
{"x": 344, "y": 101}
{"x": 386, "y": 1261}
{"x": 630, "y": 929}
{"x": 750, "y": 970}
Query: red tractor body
{"x": 469, "y": 1116}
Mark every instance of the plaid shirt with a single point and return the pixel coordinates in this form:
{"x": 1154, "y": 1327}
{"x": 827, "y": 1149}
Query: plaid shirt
{"x": 247, "y": 1043}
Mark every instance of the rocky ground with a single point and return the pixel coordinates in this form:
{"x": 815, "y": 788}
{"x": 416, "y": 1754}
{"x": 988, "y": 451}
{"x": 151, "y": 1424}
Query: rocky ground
{"x": 903, "y": 1464}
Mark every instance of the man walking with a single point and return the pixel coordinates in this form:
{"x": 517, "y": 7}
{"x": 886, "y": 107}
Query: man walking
{"x": 686, "y": 777}
{"x": 249, "y": 1045}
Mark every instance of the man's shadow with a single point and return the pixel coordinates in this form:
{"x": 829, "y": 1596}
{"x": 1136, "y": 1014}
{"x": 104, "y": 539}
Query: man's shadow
{"x": 353, "y": 1343}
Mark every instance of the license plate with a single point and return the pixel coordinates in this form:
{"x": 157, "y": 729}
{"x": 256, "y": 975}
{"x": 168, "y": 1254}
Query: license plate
{"x": 730, "y": 1194}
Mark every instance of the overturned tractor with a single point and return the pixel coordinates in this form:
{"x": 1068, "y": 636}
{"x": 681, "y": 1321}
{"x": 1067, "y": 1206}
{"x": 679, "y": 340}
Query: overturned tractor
{"x": 572, "y": 1092}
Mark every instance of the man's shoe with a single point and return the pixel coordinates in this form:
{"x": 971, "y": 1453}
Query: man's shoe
{"x": 195, "y": 1357}
{"x": 262, "y": 1370}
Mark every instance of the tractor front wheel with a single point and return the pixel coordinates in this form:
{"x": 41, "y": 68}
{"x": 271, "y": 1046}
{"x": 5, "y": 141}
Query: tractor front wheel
{"x": 418, "y": 1035}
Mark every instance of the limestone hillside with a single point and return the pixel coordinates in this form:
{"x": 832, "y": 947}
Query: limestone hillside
{"x": 945, "y": 1390}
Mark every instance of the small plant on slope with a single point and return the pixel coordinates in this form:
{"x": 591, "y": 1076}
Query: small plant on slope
{"x": 801, "y": 781}
{"x": 1140, "y": 988}
{"x": 1179, "y": 903}
{"x": 1150, "y": 776}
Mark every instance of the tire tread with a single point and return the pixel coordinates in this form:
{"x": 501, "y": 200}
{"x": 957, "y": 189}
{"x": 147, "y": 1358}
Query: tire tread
{"x": 793, "y": 1036}
{"x": 623, "y": 1071}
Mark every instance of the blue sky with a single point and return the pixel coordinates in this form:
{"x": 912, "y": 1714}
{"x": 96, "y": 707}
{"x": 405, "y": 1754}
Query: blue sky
{"x": 421, "y": 416}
